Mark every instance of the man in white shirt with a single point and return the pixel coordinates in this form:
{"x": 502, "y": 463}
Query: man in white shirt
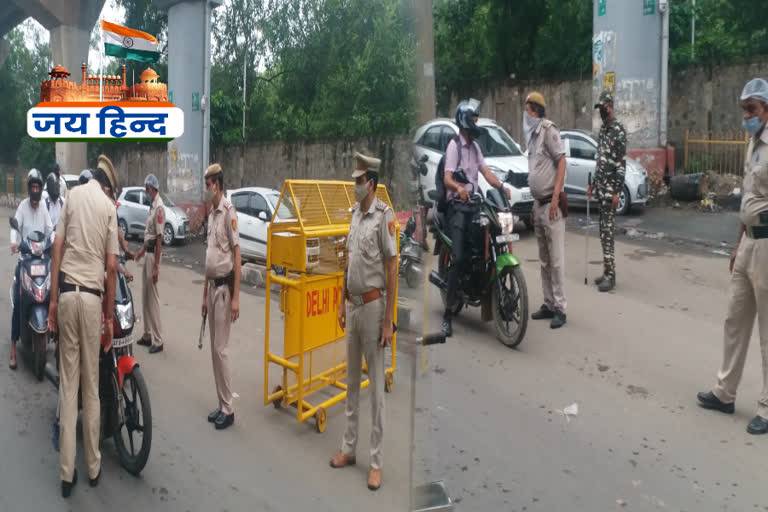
{"x": 62, "y": 182}
{"x": 31, "y": 215}
{"x": 52, "y": 197}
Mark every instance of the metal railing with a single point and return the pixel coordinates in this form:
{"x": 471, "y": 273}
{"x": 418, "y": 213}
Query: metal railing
{"x": 722, "y": 152}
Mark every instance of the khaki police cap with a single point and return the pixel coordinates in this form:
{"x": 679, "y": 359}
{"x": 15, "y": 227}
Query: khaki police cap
{"x": 213, "y": 170}
{"x": 537, "y": 98}
{"x": 365, "y": 164}
{"x": 105, "y": 164}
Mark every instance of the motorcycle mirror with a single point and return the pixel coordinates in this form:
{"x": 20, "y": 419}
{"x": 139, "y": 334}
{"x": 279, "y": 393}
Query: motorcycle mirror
{"x": 14, "y": 223}
{"x": 423, "y": 169}
{"x": 424, "y": 159}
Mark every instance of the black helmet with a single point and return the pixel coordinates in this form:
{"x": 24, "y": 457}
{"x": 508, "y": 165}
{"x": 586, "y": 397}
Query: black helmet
{"x": 464, "y": 113}
{"x": 85, "y": 176}
{"x": 52, "y": 185}
{"x": 33, "y": 177}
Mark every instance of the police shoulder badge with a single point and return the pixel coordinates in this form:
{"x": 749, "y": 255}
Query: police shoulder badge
{"x": 392, "y": 227}
{"x": 160, "y": 215}
{"x": 234, "y": 224}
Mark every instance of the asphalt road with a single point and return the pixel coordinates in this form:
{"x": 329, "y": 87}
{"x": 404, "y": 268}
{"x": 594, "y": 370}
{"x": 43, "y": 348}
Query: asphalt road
{"x": 489, "y": 420}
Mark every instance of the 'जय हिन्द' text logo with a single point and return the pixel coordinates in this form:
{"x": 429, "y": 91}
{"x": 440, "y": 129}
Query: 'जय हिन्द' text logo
{"x": 104, "y": 107}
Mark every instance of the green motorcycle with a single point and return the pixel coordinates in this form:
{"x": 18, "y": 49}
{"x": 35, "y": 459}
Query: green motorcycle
{"x": 491, "y": 276}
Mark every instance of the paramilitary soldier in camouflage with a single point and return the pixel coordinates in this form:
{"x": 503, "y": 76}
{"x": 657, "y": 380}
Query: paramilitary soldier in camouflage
{"x": 609, "y": 180}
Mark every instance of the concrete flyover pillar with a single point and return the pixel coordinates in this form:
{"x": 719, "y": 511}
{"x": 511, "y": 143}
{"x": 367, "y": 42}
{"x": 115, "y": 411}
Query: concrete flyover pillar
{"x": 189, "y": 78}
{"x": 70, "y": 23}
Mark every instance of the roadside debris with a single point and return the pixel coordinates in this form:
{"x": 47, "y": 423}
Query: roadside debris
{"x": 571, "y": 410}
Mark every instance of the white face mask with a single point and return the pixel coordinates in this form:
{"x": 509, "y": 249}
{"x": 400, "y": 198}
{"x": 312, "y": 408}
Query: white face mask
{"x": 530, "y": 124}
{"x": 361, "y": 191}
{"x": 210, "y": 193}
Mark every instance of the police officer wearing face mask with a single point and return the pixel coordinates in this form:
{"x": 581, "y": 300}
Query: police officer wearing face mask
{"x": 370, "y": 281}
{"x": 32, "y": 215}
{"x": 748, "y": 266}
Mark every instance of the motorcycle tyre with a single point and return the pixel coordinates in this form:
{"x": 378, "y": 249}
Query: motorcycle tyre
{"x": 134, "y": 464}
{"x": 442, "y": 268}
{"x": 498, "y": 324}
{"x": 39, "y": 353}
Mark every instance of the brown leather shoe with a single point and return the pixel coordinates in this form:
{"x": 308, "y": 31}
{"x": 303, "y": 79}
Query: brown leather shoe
{"x": 340, "y": 460}
{"x": 374, "y": 479}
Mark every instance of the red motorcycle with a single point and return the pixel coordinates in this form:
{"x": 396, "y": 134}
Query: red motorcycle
{"x": 126, "y": 415}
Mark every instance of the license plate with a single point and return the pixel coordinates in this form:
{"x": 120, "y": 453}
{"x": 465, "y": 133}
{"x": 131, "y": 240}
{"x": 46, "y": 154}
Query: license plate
{"x": 122, "y": 342}
{"x": 37, "y": 270}
{"x": 527, "y": 196}
{"x": 503, "y": 239}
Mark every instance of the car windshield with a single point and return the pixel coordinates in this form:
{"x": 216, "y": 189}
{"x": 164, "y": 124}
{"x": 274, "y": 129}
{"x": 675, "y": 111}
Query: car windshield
{"x": 166, "y": 201}
{"x": 495, "y": 142}
{"x": 285, "y": 210}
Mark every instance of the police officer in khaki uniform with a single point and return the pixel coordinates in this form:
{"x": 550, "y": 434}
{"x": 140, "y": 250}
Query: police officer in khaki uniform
{"x": 546, "y": 176}
{"x": 152, "y": 248}
{"x": 369, "y": 285}
{"x": 85, "y": 244}
{"x": 221, "y": 291}
{"x": 749, "y": 267}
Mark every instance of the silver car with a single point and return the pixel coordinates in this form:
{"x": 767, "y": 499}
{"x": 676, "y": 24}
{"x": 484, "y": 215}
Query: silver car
{"x": 581, "y": 155}
{"x": 133, "y": 210}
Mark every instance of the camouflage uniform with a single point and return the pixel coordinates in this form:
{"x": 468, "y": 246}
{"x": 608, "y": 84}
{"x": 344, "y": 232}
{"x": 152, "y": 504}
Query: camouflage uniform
{"x": 609, "y": 180}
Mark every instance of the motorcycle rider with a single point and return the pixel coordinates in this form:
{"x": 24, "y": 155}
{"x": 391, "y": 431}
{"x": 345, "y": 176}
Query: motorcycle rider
{"x": 472, "y": 163}
{"x": 32, "y": 215}
{"x": 55, "y": 169}
{"x": 53, "y": 200}
{"x": 86, "y": 245}
{"x": 85, "y": 176}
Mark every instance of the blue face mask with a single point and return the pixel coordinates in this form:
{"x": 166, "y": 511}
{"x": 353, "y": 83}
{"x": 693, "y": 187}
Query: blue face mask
{"x": 752, "y": 125}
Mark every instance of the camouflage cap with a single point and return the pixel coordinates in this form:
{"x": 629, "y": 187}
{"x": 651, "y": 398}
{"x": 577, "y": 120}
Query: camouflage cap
{"x": 605, "y": 98}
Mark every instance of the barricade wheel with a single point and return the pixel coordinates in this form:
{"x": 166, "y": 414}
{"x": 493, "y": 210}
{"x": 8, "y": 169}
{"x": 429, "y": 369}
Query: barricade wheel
{"x": 389, "y": 381}
{"x": 320, "y": 420}
{"x": 277, "y": 402}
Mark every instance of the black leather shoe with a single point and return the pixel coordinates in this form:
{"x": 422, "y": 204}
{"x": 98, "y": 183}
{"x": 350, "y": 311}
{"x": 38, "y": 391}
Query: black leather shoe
{"x": 95, "y": 481}
{"x": 447, "y": 325}
{"x": 544, "y": 313}
{"x": 214, "y": 414}
{"x": 145, "y": 342}
{"x": 558, "y": 320}
{"x": 758, "y": 425}
{"x": 710, "y": 401}
{"x": 606, "y": 284}
{"x": 224, "y": 420}
{"x": 599, "y": 280}
{"x": 154, "y": 349}
{"x": 66, "y": 487}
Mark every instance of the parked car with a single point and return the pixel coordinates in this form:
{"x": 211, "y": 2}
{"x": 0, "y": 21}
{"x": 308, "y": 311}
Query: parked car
{"x": 581, "y": 153}
{"x": 255, "y": 208}
{"x": 502, "y": 155}
{"x": 72, "y": 180}
{"x": 133, "y": 210}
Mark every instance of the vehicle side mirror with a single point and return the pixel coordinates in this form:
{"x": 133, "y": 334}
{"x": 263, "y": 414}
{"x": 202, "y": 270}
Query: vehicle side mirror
{"x": 14, "y": 223}
{"x": 263, "y": 216}
{"x": 424, "y": 159}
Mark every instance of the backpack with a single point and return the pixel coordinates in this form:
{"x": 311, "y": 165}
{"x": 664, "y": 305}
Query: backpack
{"x": 442, "y": 200}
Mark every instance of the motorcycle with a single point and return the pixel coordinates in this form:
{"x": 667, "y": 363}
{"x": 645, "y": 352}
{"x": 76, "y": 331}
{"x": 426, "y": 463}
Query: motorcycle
{"x": 126, "y": 414}
{"x": 34, "y": 295}
{"x": 411, "y": 255}
{"x": 491, "y": 276}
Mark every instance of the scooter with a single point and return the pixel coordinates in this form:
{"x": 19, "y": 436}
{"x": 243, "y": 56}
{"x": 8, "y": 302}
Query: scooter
{"x": 34, "y": 295}
{"x": 126, "y": 414}
{"x": 411, "y": 256}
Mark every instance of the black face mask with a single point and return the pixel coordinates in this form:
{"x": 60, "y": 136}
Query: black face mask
{"x": 604, "y": 114}
{"x": 35, "y": 196}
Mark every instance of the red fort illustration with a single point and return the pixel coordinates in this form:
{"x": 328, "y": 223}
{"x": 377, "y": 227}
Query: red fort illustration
{"x": 60, "y": 89}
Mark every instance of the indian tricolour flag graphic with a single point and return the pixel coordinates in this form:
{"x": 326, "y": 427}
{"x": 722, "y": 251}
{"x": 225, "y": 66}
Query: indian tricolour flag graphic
{"x": 128, "y": 43}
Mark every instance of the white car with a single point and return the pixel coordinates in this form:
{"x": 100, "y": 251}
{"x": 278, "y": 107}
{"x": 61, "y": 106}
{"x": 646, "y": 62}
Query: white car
{"x": 255, "y": 208}
{"x": 581, "y": 153}
{"x": 72, "y": 180}
{"x": 133, "y": 211}
{"x": 502, "y": 156}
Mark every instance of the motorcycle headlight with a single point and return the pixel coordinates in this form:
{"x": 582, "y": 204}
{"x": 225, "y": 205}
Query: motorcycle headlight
{"x": 507, "y": 221}
{"x": 124, "y": 315}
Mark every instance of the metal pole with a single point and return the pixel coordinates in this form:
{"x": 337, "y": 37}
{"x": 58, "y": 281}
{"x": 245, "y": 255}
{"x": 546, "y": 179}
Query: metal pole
{"x": 664, "y": 73}
{"x": 693, "y": 30}
{"x": 425, "y": 59}
{"x": 245, "y": 56}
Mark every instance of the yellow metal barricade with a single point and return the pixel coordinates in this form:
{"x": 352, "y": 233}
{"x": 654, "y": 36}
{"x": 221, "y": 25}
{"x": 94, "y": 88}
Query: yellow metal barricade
{"x": 306, "y": 256}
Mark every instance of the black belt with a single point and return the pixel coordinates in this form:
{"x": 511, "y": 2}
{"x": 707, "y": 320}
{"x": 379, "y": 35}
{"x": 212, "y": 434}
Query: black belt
{"x": 66, "y": 288}
{"x": 757, "y": 232}
{"x": 151, "y": 250}
{"x": 545, "y": 201}
{"x": 221, "y": 281}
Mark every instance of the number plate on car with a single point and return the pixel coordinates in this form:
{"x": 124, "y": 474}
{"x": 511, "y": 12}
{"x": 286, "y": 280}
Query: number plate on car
{"x": 527, "y": 196}
{"x": 503, "y": 239}
{"x": 37, "y": 270}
